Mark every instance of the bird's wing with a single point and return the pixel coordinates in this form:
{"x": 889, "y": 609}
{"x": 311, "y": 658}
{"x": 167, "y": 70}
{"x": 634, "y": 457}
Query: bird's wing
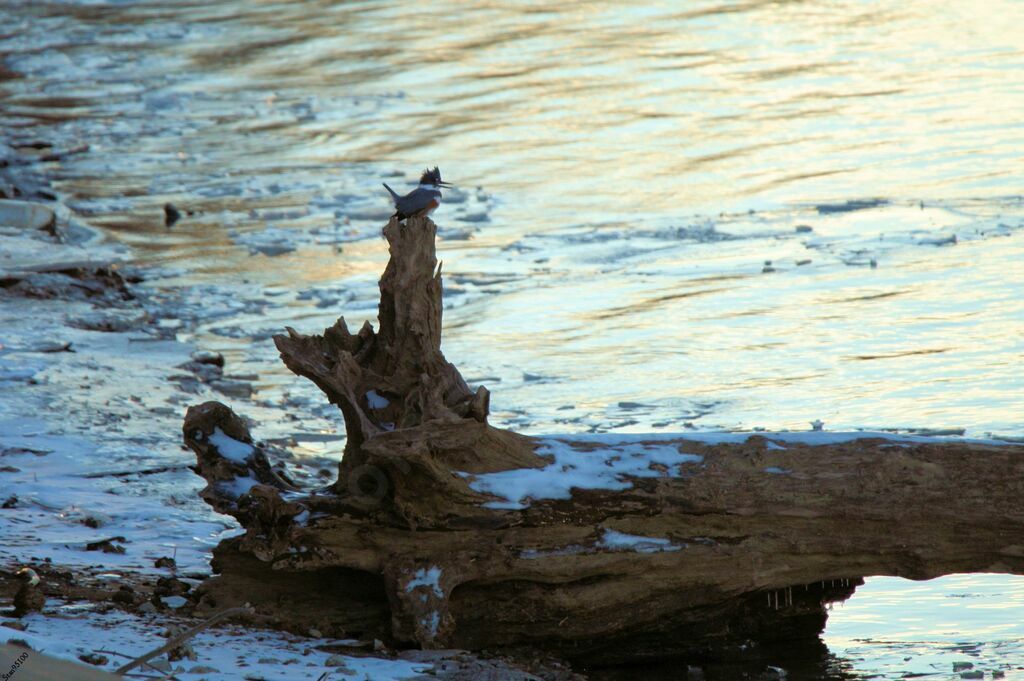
{"x": 415, "y": 201}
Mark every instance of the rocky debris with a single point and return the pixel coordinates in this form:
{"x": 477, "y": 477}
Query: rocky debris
{"x": 30, "y": 596}
{"x": 107, "y": 545}
{"x": 125, "y": 595}
{"x": 110, "y": 321}
{"x": 207, "y": 368}
{"x": 209, "y": 358}
{"x": 171, "y": 215}
{"x": 18, "y": 179}
{"x": 339, "y": 662}
{"x": 94, "y": 659}
{"x": 183, "y": 651}
{"x": 461, "y": 665}
{"x": 95, "y": 284}
{"x": 43, "y": 257}
{"x": 203, "y": 669}
{"x": 171, "y": 586}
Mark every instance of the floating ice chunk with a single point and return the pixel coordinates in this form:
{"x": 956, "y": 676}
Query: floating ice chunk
{"x": 229, "y": 447}
{"x": 271, "y": 242}
{"x": 376, "y": 401}
{"x": 429, "y": 577}
{"x": 14, "y": 372}
{"x": 620, "y": 541}
{"x": 608, "y": 468}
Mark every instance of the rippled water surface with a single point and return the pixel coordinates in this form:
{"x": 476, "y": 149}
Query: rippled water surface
{"x": 671, "y": 215}
{"x": 937, "y": 629}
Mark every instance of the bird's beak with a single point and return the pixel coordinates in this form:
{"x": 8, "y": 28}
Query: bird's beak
{"x": 445, "y": 184}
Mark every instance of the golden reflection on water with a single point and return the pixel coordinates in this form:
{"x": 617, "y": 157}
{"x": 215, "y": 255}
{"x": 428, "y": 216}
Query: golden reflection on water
{"x": 617, "y": 110}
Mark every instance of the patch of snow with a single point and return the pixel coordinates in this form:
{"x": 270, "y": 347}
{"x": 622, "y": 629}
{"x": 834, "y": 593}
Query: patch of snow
{"x": 620, "y": 541}
{"x": 777, "y": 471}
{"x": 775, "y": 445}
{"x": 607, "y": 468}
{"x": 238, "y": 486}
{"x": 431, "y": 622}
{"x": 429, "y": 577}
{"x": 231, "y": 650}
{"x": 376, "y": 401}
{"x": 229, "y": 447}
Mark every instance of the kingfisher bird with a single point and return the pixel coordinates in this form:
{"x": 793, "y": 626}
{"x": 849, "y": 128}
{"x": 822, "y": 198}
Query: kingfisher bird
{"x": 420, "y": 201}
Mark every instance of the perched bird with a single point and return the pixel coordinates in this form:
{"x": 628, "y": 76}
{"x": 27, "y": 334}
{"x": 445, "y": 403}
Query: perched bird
{"x": 420, "y": 201}
{"x": 29, "y": 597}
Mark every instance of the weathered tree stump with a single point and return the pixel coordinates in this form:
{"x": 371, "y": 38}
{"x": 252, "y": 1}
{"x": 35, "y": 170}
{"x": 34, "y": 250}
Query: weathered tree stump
{"x": 443, "y": 531}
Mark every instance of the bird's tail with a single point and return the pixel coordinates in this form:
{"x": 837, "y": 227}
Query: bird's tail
{"x": 390, "y": 191}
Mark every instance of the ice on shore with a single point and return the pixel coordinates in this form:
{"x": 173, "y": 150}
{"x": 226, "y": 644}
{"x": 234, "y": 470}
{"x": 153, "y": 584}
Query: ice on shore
{"x": 232, "y": 651}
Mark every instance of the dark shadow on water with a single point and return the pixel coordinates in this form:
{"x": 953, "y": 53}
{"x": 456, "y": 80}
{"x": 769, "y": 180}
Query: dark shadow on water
{"x": 799, "y": 660}
{"x": 766, "y": 636}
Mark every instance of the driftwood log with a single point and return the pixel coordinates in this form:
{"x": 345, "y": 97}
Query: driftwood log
{"x": 444, "y": 531}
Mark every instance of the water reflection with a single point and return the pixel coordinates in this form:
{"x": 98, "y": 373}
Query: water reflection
{"x": 895, "y": 628}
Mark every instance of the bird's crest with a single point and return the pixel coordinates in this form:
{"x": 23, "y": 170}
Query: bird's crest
{"x": 431, "y": 176}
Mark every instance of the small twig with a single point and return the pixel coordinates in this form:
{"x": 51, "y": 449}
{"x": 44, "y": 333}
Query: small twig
{"x": 114, "y": 652}
{"x": 181, "y": 638}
